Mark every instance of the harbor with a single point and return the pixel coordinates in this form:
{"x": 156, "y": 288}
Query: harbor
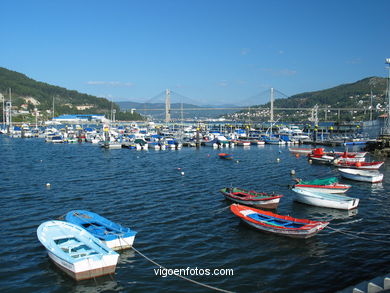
{"x": 187, "y": 223}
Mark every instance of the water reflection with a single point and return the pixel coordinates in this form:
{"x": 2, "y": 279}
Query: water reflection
{"x": 320, "y": 213}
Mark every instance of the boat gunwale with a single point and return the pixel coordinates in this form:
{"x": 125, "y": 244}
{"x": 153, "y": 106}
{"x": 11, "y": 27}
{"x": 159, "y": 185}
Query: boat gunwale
{"x": 236, "y": 209}
{"x": 264, "y": 198}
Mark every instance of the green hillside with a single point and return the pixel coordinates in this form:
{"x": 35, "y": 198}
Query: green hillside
{"x": 66, "y": 101}
{"x": 342, "y": 96}
{"x": 356, "y": 96}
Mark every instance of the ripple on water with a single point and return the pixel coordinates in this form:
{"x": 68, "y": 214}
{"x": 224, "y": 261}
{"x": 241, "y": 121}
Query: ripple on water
{"x": 183, "y": 220}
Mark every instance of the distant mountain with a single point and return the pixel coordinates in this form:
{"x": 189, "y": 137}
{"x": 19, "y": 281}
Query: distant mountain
{"x": 350, "y": 95}
{"x": 355, "y": 95}
{"x": 127, "y": 105}
{"x": 29, "y": 94}
{"x": 190, "y": 111}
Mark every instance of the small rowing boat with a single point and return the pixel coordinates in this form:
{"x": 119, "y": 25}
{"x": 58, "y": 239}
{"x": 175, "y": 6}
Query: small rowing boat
{"x": 112, "y": 234}
{"x": 277, "y": 224}
{"x": 358, "y": 165}
{"x": 304, "y": 151}
{"x": 371, "y": 176}
{"x": 326, "y": 185}
{"x": 252, "y": 198}
{"x": 75, "y": 251}
{"x": 325, "y": 200}
{"x": 225, "y": 156}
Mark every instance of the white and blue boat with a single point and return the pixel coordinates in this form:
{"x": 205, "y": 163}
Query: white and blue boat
{"x": 111, "y": 234}
{"x": 75, "y": 251}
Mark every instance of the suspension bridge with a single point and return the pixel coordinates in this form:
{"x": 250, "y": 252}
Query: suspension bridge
{"x": 168, "y": 101}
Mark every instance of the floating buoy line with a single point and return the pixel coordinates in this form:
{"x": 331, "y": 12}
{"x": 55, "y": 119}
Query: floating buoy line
{"x": 180, "y": 276}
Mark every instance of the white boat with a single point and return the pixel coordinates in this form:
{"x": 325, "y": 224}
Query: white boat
{"x": 327, "y": 185}
{"x": 112, "y": 145}
{"x": 75, "y": 251}
{"x": 324, "y": 159}
{"x": 326, "y": 200}
{"x": 361, "y": 175}
{"x": 304, "y": 151}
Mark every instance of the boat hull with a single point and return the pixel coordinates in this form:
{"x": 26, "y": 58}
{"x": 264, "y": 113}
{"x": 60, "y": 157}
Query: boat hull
{"x": 252, "y": 198}
{"x": 266, "y": 204}
{"x": 325, "y": 200}
{"x": 281, "y": 232}
{"x": 365, "y": 177}
{"x": 87, "y": 268}
{"x": 120, "y": 243}
{"x": 113, "y": 235}
{"x": 277, "y": 224}
{"x": 324, "y": 189}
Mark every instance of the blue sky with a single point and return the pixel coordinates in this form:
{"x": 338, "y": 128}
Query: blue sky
{"x": 211, "y": 51}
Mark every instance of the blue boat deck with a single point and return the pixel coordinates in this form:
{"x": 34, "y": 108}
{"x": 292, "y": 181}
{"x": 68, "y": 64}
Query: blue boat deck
{"x": 274, "y": 221}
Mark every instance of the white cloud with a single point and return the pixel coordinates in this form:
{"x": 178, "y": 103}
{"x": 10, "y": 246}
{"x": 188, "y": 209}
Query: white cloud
{"x": 110, "y": 83}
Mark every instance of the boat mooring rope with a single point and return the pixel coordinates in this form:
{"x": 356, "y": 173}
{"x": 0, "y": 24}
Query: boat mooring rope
{"x": 180, "y": 276}
{"x": 221, "y": 210}
{"x": 356, "y": 235}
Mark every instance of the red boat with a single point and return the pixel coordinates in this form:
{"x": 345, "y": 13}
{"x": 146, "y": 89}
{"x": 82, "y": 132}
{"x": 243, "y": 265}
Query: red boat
{"x": 277, "y": 224}
{"x": 359, "y": 165}
{"x": 225, "y": 156}
{"x": 252, "y": 198}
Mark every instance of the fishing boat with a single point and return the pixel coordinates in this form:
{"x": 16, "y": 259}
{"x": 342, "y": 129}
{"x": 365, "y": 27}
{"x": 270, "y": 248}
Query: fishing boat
{"x": 372, "y": 176}
{"x": 325, "y": 200}
{"x": 349, "y": 154}
{"x": 111, "y": 234}
{"x": 277, "y": 224}
{"x": 327, "y": 185}
{"x": 358, "y": 165}
{"x": 318, "y": 156}
{"x": 242, "y": 142}
{"x": 225, "y": 156}
{"x": 75, "y": 251}
{"x": 252, "y": 198}
{"x": 112, "y": 145}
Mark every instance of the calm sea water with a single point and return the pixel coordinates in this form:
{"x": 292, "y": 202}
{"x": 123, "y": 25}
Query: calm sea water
{"x": 182, "y": 220}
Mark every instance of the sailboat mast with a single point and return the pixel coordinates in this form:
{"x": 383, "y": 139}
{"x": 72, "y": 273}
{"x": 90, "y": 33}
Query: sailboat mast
{"x": 272, "y": 106}
{"x": 10, "y": 110}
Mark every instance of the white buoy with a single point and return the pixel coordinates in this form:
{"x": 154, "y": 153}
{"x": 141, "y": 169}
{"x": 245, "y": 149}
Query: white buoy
{"x": 277, "y": 160}
{"x": 292, "y": 172}
{"x": 182, "y": 173}
{"x": 48, "y": 185}
{"x": 237, "y": 161}
{"x": 310, "y": 161}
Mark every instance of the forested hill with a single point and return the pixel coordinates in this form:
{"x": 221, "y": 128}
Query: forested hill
{"x": 352, "y": 95}
{"x": 35, "y": 94}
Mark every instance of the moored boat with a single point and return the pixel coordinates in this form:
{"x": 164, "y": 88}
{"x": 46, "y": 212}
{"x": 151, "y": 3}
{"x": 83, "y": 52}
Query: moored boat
{"x": 75, "y": 251}
{"x": 304, "y": 151}
{"x": 277, "y": 224}
{"x": 225, "y": 156}
{"x": 111, "y": 234}
{"x": 326, "y": 200}
{"x": 358, "y": 165}
{"x": 327, "y": 185}
{"x": 252, "y": 198}
{"x": 372, "y": 176}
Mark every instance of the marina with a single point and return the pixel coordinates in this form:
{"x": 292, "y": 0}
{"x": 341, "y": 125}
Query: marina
{"x": 172, "y": 199}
